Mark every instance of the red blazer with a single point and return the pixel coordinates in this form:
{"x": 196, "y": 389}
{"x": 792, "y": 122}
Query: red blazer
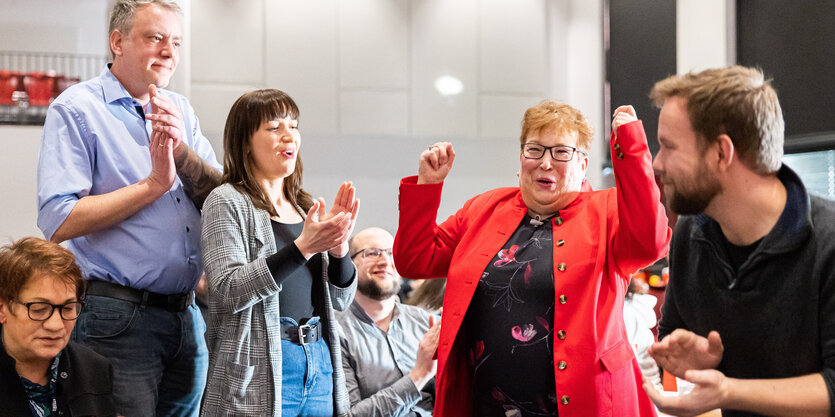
{"x": 601, "y": 238}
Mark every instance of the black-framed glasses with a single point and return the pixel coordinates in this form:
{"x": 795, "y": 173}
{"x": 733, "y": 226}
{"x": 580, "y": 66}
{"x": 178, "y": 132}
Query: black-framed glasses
{"x": 562, "y": 153}
{"x": 39, "y": 311}
{"x": 372, "y": 253}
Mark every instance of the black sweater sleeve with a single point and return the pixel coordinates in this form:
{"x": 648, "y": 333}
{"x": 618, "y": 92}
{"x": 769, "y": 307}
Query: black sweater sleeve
{"x": 282, "y": 263}
{"x": 341, "y": 271}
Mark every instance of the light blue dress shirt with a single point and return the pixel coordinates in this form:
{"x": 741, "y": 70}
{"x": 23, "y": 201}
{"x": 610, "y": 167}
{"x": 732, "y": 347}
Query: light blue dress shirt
{"x": 96, "y": 141}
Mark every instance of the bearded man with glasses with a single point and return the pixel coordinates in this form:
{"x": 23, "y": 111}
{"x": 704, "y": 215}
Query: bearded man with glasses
{"x": 41, "y": 374}
{"x": 388, "y": 348}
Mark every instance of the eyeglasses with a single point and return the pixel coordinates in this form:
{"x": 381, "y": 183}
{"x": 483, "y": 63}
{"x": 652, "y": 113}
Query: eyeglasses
{"x": 372, "y": 253}
{"x": 560, "y": 153}
{"x": 43, "y": 311}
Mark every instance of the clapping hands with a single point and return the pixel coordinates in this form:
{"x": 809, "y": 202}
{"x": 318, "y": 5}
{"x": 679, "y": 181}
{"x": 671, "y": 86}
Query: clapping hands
{"x": 683, "y": 350}
{"x": 693, "y": 358}
{"x": 166, "y": 139}
{"x": 329, "y": 231}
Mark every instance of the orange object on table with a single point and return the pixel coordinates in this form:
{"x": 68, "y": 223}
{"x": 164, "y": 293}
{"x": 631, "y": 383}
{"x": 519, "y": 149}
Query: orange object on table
{"x": 641, "y": 275}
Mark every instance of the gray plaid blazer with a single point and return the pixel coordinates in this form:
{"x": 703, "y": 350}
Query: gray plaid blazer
{"x": 244, "y": 332}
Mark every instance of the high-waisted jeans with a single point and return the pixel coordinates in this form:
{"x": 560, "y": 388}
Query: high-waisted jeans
{"x": 307, "y": 377}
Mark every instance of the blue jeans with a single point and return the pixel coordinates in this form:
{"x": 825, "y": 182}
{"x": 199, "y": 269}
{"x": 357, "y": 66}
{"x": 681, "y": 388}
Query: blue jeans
{"x": 159, "y": 358}
{"x": 306, "y": 377}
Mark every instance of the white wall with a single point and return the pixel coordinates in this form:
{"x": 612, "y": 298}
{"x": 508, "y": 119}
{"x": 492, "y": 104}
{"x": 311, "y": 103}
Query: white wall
{"x": 705, "y": 34}
{"x": 363, "y": 73}
{"x": 18, "y": 163}
{"x": 54, "y": 26}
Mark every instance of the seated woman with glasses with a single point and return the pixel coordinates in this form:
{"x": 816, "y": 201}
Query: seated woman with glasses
{"x": 536, "y": 274}
{"x": 42, "y": 373}
{"x": 277, "y": 266}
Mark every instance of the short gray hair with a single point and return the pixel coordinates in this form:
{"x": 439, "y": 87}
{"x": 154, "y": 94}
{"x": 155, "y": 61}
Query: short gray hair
{"x": 124, "y": 11}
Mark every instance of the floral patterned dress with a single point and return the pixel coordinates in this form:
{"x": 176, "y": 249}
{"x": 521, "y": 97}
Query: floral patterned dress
{"x": 510, "y": 328}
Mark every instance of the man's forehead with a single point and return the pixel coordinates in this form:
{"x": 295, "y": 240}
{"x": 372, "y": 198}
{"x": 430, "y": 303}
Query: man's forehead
{"x": 373, "y": 238}
{"x": 154, "y": 18}
{"x": 674, "y": 114}
{"x": 153, "y": 27}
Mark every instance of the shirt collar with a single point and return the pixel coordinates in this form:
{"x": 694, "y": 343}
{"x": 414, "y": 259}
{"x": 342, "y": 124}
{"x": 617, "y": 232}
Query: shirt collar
{"x": 113, "y": 89}
{"x": 792, "y": 228}
{"x": 359, "y": 313}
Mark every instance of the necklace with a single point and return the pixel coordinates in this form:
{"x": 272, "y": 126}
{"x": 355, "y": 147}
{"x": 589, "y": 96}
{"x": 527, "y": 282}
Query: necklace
{"x": 538, "y": 220}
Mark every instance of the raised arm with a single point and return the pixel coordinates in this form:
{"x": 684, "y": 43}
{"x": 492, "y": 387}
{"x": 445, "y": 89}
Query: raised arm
{"x": 422, "y": 249}
{"x": 642, "y": 235}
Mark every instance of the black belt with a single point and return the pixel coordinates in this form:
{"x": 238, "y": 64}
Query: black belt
{"x": 174, "y": 303}
{"x": 302, "y": 335}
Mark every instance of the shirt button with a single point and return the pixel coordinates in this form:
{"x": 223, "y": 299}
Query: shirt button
{"x": 565, "y": 400}
{"x": 561, "y": 334}
{"x": 558, "y": 221}
{"x": 64, "y": 375}
{"x": 188, "y": 229}
{"x": 563, "y": 299}
{"x": 560, "y": 242}
{"x": 562, "y": 365}
{"x": 620, "y": 155}
{"x": 178, "y": 199}
{"x": 561, "y": 266}
{"x": 617, "y": 146}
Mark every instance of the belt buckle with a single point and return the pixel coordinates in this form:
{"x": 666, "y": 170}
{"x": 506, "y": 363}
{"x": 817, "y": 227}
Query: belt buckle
{"x": 302, "y": 329}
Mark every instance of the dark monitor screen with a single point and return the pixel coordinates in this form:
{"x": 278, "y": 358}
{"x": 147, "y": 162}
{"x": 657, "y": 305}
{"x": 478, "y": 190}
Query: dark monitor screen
{"x": 794, "y": 44}
{"x": 642, "y": 50}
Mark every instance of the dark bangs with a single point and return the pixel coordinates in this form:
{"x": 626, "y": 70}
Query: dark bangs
{"x": 266, "y": 105}
{"x": 245, "y": 118}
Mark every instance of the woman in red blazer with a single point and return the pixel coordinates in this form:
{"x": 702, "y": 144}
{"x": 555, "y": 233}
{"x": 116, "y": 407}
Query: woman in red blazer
{"x": 533, "y": 312}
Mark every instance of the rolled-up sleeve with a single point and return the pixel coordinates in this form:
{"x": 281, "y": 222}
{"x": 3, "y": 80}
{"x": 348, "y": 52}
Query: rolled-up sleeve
{"x": 65, "y": 168}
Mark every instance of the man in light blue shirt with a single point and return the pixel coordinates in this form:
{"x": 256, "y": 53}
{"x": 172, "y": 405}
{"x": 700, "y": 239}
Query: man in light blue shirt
{"x": 123, "y": 170}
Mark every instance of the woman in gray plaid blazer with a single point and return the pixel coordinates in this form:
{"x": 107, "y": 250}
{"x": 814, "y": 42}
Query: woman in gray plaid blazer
{"x": 268, "y": 248}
